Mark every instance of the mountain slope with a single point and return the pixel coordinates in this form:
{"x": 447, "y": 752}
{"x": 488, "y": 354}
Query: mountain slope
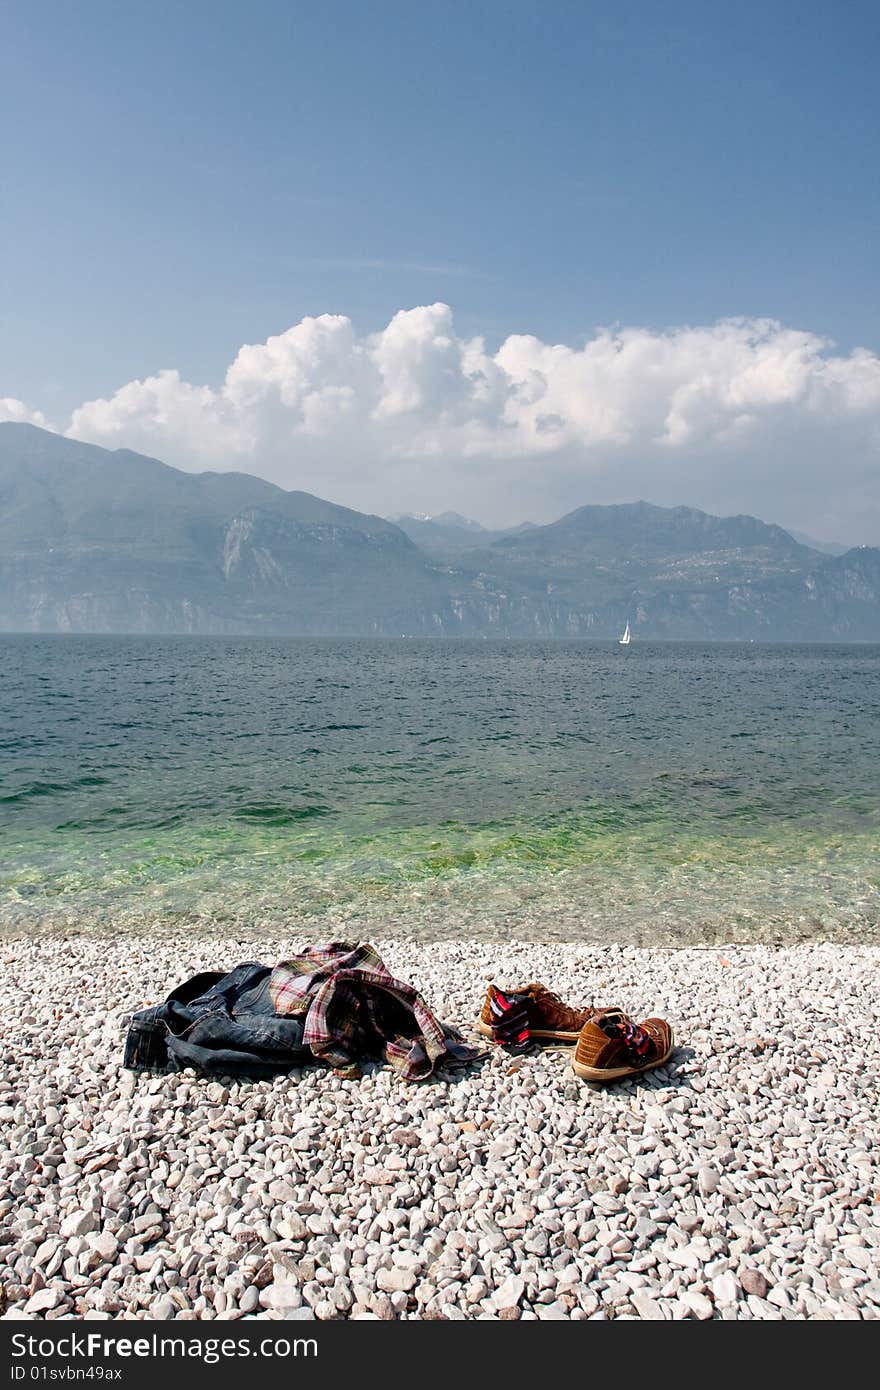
{"x": 637, "y": 540}
{"x": 606, "y": 563}
{"x": 54, "y": 487}
{"x": 99, "y": 541}
{"x": 104, "y": 541}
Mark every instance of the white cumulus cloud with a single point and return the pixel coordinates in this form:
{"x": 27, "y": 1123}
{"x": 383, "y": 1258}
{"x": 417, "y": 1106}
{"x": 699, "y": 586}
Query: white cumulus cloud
{"x": 17, "y": 411}
{"x": 739, "y": 415}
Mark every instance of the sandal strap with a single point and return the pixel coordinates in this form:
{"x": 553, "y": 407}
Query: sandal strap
{"x": 509, "y": 1020}
{"x": 635, "y": 1040}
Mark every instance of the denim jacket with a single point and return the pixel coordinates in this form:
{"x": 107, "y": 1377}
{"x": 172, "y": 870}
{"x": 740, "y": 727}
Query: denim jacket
{"x": 222, "y": 1024}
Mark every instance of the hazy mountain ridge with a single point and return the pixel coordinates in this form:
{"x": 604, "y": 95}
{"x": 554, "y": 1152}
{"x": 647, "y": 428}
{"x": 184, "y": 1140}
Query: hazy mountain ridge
{"x": 101, "y": 541}
{"x": 825, "y": 547}
{"x": 447, "y": 535}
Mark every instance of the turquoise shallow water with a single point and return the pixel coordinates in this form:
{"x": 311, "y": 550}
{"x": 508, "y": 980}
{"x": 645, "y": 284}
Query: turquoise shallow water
{"x": 667, "y": 792}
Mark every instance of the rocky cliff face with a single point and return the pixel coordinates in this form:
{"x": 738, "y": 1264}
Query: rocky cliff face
{"x": 834, "y": 600}
{"x": 93, "y": 541}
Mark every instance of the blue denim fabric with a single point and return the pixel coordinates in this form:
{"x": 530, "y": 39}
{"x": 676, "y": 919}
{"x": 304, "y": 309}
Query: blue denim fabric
{"x": 222, "y": 1024}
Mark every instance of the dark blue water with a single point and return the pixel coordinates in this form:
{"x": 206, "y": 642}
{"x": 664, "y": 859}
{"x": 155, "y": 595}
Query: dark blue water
{"x": 676, "y": 791}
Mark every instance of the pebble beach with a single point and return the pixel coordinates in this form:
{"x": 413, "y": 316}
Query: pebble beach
{"x": 740, "y": 1181}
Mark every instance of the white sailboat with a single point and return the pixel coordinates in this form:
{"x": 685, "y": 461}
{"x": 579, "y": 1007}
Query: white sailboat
{"x": 627, "y": 636}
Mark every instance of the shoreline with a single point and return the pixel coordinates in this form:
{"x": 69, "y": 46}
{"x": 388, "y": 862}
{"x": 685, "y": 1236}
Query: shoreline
{"x": 564, "y": 909}
{"x": 736, "y": 1182}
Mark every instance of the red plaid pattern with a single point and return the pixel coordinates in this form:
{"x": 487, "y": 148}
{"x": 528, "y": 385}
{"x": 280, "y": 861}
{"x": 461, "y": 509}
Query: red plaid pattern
{"x": 355, "y": 1008}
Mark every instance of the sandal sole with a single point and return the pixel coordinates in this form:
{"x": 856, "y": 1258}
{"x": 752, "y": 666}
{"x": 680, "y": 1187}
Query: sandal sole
{"x": 619, "y": 1073}
{"x": 536, "y": 1034}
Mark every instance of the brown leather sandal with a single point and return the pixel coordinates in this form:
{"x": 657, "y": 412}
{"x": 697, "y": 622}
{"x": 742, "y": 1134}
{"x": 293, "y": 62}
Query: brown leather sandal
{"x": 611, "y": 1046}
{"x": 532, "y": 1013}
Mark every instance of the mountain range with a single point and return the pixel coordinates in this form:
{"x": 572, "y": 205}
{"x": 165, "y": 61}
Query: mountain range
{"x": 93, "y": 540}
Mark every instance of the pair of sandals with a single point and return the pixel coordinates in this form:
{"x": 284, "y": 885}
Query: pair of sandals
{"x": 608, "y": 1044}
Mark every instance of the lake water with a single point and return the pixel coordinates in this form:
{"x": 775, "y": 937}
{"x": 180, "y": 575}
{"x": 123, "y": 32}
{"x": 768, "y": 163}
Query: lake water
{"x": 664, "y": 792}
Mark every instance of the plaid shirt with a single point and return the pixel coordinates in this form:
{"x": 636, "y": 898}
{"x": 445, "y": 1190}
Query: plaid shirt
{"x": 355, "y": 1008}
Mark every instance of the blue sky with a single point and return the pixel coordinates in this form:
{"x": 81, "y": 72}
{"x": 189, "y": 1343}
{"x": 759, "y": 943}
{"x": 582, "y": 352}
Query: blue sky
{"x": 183, "y": 179}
